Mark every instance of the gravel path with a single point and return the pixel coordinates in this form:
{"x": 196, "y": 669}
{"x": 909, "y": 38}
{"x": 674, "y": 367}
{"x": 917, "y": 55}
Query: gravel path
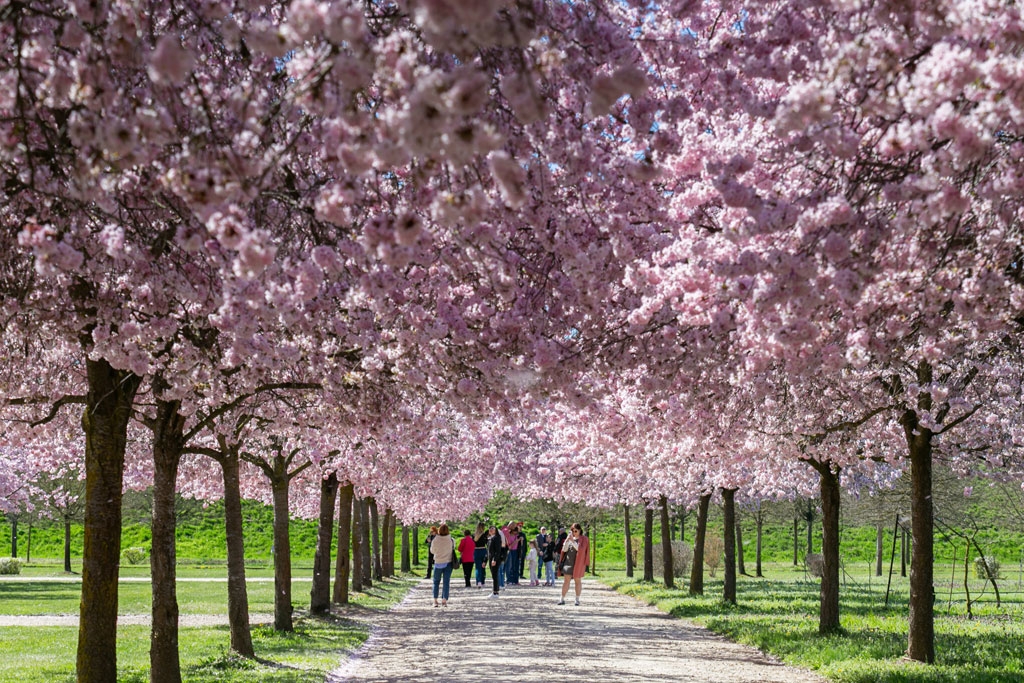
{"x": 609, "y": 637}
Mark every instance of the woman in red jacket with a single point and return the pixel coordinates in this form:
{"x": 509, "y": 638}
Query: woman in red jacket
{"x": 574, "y": 560}
{"x": 467, "y": 548}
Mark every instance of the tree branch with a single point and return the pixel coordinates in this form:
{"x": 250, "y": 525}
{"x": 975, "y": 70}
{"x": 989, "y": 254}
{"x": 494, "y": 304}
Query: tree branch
{"x": 55, "y": 408}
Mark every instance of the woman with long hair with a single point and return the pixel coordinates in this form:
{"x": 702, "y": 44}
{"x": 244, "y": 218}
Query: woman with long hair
{"x": 574, "y": 560}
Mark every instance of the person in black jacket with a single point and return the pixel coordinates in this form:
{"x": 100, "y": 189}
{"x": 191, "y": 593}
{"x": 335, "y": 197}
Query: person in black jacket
{"x": 495, "y": 555}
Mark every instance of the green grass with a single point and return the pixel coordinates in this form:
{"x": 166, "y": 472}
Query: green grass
{"x": 779, "y": 615}
{"x": 47, "y": 653}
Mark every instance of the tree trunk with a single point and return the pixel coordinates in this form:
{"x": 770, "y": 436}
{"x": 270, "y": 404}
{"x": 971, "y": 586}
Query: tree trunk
{"x": 796, "y": 540}
{"x": 760, "y": 530}
{"x": 67, "y": 545}
{"x": 357, "y": 544}
{"x": 648, "y": 544}
{"x": 406, "y": 560}
{"x": 378, "y": 570}
{"x": 810, "y": 529}
{"x": 105, "y": 423}
{"x": 666, "y": 544}
{"x": 903, "y": 552}
{"x": 741, "y": 566}
{"x": 879, "y": 547}
{"x": 282, "y": 554}
{"x": 168, "y": 429}
{"x": 341, "y": 564}
{"x": 921, "y": 644}
{"x": 729, "y": 554}
{"x": 697, "y": 569}
{"x": 388, "y": 545}
{"x": 320, "y": 593}
{"x": 14, "y": 534}
{"x": 629, "y": 542}
{"x": 367, "y": 556}
{"x": 238, "y": 594}
{"x": 828, "y": 616}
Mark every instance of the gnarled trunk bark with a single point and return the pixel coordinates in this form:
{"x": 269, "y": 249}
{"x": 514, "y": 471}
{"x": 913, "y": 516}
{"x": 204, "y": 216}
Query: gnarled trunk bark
{"x": 238, "y": 595}
{"x": 666, "y": 545}
{"x": 282, "y": 557}
{"x": 168, "y": 441}
{"x": 697, "y": 569}
{"x": 342, "y": 564}
{"x": 729, "y": 521}
{"x": 105, "y": 423}
{"x": 320, "y": 593}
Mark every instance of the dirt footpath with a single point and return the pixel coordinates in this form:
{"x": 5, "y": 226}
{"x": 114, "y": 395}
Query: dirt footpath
{"x": 525, "y": 636}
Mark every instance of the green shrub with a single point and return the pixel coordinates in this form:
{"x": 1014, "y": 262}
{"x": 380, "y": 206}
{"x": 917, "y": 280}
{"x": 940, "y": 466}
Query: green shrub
{"x": 134, "y": 555}
{"x": 993, "y": 567}
{"x": 10, "y": 565}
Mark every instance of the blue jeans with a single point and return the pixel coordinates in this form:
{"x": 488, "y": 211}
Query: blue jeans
{"x": 549, "y": 572}
{"x": 501, "y": 573}
{"x": 512, "y": 566}
{"x": 445, "y": 573}
{"x": 480, "y": 558}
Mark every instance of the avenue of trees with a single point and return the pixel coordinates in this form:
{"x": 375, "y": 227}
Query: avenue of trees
{"x": 372, "y": 261}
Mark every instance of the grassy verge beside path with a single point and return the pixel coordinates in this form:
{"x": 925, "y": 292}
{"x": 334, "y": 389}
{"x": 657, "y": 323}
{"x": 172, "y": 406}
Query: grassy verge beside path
{"x": 780, "y": 617}
{"x": 318, "y": 646}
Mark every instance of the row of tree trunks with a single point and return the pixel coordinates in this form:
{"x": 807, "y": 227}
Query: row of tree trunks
{"x": 366, "y": 559}
{"x": 357, "y": 545}
{"x": 378, "y": 571}
{"x": 320, "y": 593}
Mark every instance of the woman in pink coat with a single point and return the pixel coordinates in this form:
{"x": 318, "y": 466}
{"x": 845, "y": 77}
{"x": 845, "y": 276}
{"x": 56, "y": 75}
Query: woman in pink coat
{"x": 574, "y": 560}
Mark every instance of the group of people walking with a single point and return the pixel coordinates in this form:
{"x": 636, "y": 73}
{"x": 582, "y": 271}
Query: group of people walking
{"x": 507, "y": 554}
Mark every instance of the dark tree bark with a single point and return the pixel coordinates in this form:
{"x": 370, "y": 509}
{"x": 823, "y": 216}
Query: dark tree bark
{"x": 697, "y": 569}
{"x": 168, "y": 427}
{"x": 320, "y": 593}
{"x": 388, "y": 545}
{"x": 729, "y": 522}
{"x": 367, "y": 557}
{"x": 648, "y": 544}
{"x": 796, "y": 541}
{"x": 879, "y": 547}
{"x": 629, "y": 542}
{"x": 921, "y": 642}
{"x": 357, "y": 544}
{"x": 282, "y": 558}
{"x": 828, "y": 615}
{"x": 903, "y": 552}
{"x": 378, "y": 570}
{"x": 105, "y": 423}
{"x": 760, "y": 533}
{"x": 341, "y": 564}
{"x": 666, "y": 545}
{"x": 406, "y": 560}
{"x": 67, "y": 545}
{"x": 739, "y": 547}
{"x": 238, "y": 594}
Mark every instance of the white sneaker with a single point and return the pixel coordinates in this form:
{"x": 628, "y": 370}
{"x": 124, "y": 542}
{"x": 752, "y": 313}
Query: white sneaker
{"x": 561, "y": 602}
{"x": 577, "y": 602}
{"x": 493, "y": 595}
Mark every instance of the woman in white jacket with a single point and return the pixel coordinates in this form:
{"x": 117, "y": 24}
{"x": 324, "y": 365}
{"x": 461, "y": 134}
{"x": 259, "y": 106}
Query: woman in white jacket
{"x": 443, "y": 550}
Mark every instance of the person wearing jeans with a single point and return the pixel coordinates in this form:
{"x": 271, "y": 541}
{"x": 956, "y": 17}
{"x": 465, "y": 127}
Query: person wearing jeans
{"x": 443, "y": 550}
{"x": 480, "y": 553}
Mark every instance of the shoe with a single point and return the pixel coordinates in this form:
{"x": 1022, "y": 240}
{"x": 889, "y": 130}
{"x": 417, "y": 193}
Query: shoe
{"x": 445, "y": 603}
{"x": 561, "y": 602}
{"x": 577, "y": 602}
{"x": 494, "y": 595}
{"x": 435, "y": 604}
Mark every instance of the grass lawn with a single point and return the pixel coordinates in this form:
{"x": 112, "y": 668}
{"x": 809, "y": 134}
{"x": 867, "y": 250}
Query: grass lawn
{"x": 779, "y": 615}
{"x": 47, "y": 653}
